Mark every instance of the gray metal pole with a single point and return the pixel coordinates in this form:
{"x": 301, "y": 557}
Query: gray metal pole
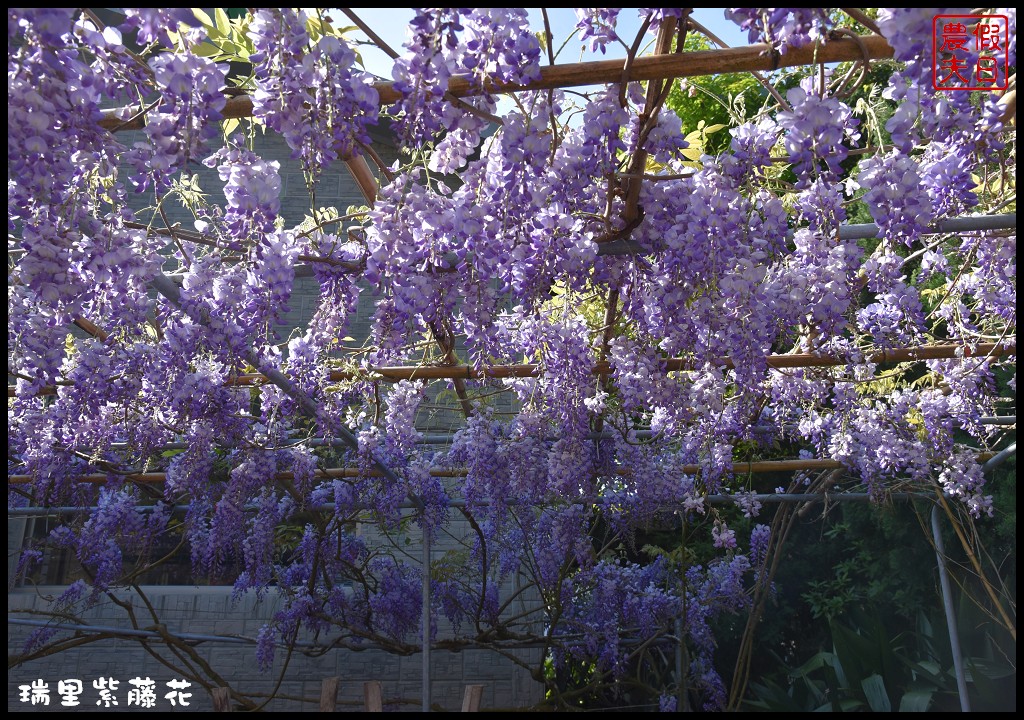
{"x": 769, "y": 498}
{"x": 426, "y": 621}
{"x": 862, "y": 231}
{"x": 967, "y": 223}
{"x": 993, "y": 462}
{"x": 459, "y": 503}
{"x": 447, "y": 438}
{"x": 680, "y": 684}
{"x": 947, "y": 604}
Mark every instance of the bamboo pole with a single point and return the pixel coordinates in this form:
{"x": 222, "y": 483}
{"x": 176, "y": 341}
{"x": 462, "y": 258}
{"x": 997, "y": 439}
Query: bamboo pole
{"x": 691, "y": 64}
{"x": 796, "y": 360}
{"x": 363, "y": 176}
{"x": 739, "y": 468}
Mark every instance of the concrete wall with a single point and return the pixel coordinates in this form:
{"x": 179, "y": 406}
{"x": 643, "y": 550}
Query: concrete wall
{"x": 210, "y": 610}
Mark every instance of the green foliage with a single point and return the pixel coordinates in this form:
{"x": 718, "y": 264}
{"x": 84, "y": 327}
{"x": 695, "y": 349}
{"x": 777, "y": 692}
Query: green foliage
{"x": 227, "y": 38}
{"x": 704, "y": 102}
{"x": 871, "y": 669}
{"x": 860, "y": 567}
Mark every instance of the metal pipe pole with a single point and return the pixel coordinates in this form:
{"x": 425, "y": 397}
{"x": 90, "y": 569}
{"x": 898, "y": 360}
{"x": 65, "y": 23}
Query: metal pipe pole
{"x": 947, "y": 604}
{"x": 861, "y": 231}
{"x": 997, "y": 460}
{"x": 770, "y": 498}
{"x": 426, "y": 620}
{"x": 132, "y": 632}
{"x": 966, "y": 223}
{"x": 680, "y": 685}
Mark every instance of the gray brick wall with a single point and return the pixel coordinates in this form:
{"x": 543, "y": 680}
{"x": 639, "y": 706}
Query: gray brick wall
{"x": 211, "y": 610}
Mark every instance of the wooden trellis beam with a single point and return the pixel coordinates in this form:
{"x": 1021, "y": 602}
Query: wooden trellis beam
{"x": 738, "y": 468}
{"x": 690, "y": 64}
{"x": 796, "y": 360}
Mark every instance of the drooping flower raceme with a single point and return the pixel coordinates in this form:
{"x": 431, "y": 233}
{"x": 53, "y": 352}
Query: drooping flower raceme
{"x": 515, "y": 262}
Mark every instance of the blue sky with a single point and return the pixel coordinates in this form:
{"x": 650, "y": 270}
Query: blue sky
{"x": 390, "y": 24}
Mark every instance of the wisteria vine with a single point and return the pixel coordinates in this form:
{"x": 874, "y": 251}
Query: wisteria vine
{"x": 485, "y": 243}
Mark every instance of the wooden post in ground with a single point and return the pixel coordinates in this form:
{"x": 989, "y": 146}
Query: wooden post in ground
{"x": 372, "y": 696}
{"x": 221, "y": 699}
{"x": 471, "y": 700}
{"x": 329, "y": 694}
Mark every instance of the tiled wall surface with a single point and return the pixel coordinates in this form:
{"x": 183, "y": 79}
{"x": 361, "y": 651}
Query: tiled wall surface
{"x": 211, "y": 610}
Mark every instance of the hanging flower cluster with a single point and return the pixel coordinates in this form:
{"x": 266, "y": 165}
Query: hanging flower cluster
{"x": 631, "y": 315}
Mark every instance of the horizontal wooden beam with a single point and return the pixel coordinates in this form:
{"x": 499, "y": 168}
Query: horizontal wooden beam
{"x": 653, "y": 67}
{"x": 796, "y": 360}
{"x": 738, "y": 468}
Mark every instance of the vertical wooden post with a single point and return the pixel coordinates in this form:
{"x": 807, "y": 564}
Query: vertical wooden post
{"x": 471, "y": 700}
{"x": 329, "y": 694}
{"x": 372, "y": 696}
{"x": 221, "y": 699}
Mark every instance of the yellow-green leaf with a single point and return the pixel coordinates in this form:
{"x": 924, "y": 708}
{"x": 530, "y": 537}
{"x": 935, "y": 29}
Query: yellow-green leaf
{"x": 223, "y": 24}
{"x": 202, "y": 17}
{"x": 206, "y": 50}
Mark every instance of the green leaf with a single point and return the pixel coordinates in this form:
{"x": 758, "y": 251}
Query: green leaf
{"x": 202, "y": 17}
{"x": 874, "y": 690}
{"x": 230, "y": 125}
{"x": 916, "y": 700}
{"x": 928, "y": 669}
{"x": 205, "y": 50}
{"x": 714, "y": 128}
{"x": 848, "y": 704}
{"x": 856, "y": 653}
{"x": 838, "y": 673}
{"x": 991, "y": 669}
{"x": 815, "y": 663}
{"x": 223, "y": 24}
